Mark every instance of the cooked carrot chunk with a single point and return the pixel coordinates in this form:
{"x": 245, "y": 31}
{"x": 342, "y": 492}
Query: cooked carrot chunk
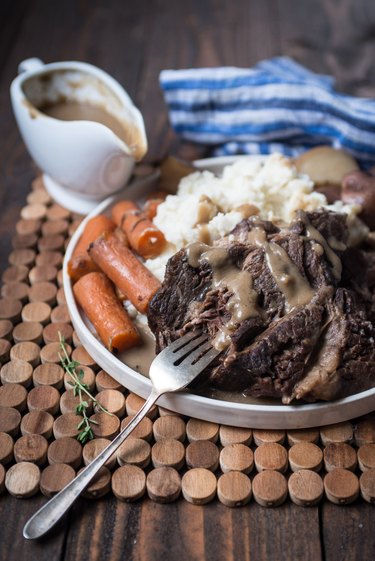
{"x": 96, "y": 296}
{"x": 127, "y": 273}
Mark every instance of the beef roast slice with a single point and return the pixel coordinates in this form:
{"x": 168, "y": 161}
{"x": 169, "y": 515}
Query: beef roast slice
{"x": 313, "y": 352}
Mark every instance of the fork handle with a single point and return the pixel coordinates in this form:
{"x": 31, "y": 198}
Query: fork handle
{"x": 47, "y": 516}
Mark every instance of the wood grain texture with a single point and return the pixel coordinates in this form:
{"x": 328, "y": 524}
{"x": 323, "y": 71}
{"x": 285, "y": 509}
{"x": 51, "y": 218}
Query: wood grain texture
{"x": 134, "y": 41}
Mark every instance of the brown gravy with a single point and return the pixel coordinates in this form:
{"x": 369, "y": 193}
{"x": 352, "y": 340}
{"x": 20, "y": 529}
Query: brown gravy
{"x": 73, "y": 111}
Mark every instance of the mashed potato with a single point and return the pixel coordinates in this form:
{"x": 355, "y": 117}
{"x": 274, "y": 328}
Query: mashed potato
{"x": 207, "y": 207}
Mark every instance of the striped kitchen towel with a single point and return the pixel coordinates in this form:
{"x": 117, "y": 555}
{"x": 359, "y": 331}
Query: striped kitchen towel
{"x": 277, "y": 106}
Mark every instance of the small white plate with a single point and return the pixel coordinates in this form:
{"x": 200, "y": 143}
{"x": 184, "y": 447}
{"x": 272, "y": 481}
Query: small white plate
{"x": 255, "y": 415}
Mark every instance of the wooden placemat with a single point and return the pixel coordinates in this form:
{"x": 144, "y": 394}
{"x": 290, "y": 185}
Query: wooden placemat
{"x": 168, "y": 456}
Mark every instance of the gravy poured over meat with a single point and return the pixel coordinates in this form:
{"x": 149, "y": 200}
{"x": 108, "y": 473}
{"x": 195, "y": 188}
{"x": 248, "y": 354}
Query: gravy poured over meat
{"x": 294, "y": 319}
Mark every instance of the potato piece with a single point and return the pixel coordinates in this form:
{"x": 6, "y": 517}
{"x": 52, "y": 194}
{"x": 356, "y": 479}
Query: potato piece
{"x": 324, "y": 164}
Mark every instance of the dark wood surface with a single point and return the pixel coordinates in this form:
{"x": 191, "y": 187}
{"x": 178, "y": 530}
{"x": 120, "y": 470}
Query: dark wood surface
{"x": 133, "y": 41}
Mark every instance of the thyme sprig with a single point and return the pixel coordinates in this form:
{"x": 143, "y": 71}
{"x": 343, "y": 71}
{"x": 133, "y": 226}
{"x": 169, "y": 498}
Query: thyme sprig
{"x": 83, "y": 391}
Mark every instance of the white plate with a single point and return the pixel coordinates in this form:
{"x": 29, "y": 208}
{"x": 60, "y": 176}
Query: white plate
{"x": 255, "y": 415}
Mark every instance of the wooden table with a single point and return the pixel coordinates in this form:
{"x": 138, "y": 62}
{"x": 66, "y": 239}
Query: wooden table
{"x": 133, "y": 41}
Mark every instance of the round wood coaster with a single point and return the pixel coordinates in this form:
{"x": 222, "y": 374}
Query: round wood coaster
{"x": 29, "y": 227}
{"x": 60, "y": 314}
{"x": 93, "y": 448}
{"x": 6, "y": 328}
{"x": 36, "y": 211}
{"x": 17, "y": 372}
{"x": 53, "y": 242}
{"x": 22, "y": 480}
{"x": 168, "y": 452}
{"x": 54, "y": 331}
{"x": 367, "y": 485}
{"x": 142, "y": 430}
{"x": 20, "y": 241}
{"x": 99, "y": 486}
{"x": 364, "y": 432}
{"x": 44, "y": 398}
{"x": 305, "y": 487}
{"x": 341, "y": 432}
{"x": 105, "y": 382}
{"x": 13, "y": 395}
{"x": 69, "y": 402}
{"x": 236, "y": 457}
{"x": 134, "y": 403}
{"x": 65, "y": 450}
{"x": 305, "y": 455}
{"x": 128, "y": 483}
{"x": 37, "y": 422}
{"x": 112, "y": 400}
{"x": 42, "y": 273}
{"x": 5, "y": 347}
{"x": 107, "y": 426}
{"x": 57, "y": 212}
{"x": 56, "y": 227}
{"x": 51, "y": 352}
{"x": 201, "y": 430}
{"x": 169, "y": 426}
{"x": 366, "y": 457}
{"x": 81, "y": 356}
{"x": 234, "y": 435}
{"x": 10, "y": 309}
{"x": 28, "y": 331}
{"x": 339, "y": 455}
{"x": 88, "y": 378}
{"x": 49, "y": 375}
{"x": 6, "y": 448}
{"x": 341, "y": 486}
{"x": 270, "y": 488}
{"x": 43, "y": 292}
{"x": 234, "y": 489}
{"x": 54, "y": 258}
{"x": 31, "y": 448}
{"x": 38, "y": 183}
{"x": 261, "y": 436}
{"x": 59, "y": 277}
{"x": 163, "y": 484}
{"x": 10, "y": 420}
{"x": 199, "y": 486}
{"x": 39, "y": 196}
{"x": 55, "y": 477}
{"x": 36, "y": 312}
{"x": 2, "y": 478}
{"x": 271, "y": 456}
{"x": 60, "y": 298}
{"x": 16, "y": 291}
{"x": 22, "y": 257}
{"x": 66, "y": 425}
{"x": 28, "y": 351}
{"x": 202, "y": 454}
{"x": 134, "y": 451}
{"x": 15, "y": 273}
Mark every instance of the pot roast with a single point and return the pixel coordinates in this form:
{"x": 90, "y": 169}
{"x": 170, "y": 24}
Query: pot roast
{"x": 291, "y": 306}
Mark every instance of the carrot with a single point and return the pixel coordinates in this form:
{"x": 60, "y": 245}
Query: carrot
{"x": 120, "y": 209}
{"x": 144, "y": 237}
{"x": 150, "y": 208}
{"x": 126, "y": 272}
{"x": 81, "y": 263}
{"x": 96, "y": 296}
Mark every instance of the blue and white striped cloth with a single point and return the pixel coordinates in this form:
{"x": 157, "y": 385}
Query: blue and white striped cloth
{"x": 277, "y": 106}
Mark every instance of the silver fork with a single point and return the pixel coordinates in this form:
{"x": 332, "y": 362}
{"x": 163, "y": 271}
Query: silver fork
{"x": 172, "y": 370}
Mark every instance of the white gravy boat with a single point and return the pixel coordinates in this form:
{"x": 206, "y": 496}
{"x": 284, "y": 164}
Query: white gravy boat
{"x": 82, "y": 161}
